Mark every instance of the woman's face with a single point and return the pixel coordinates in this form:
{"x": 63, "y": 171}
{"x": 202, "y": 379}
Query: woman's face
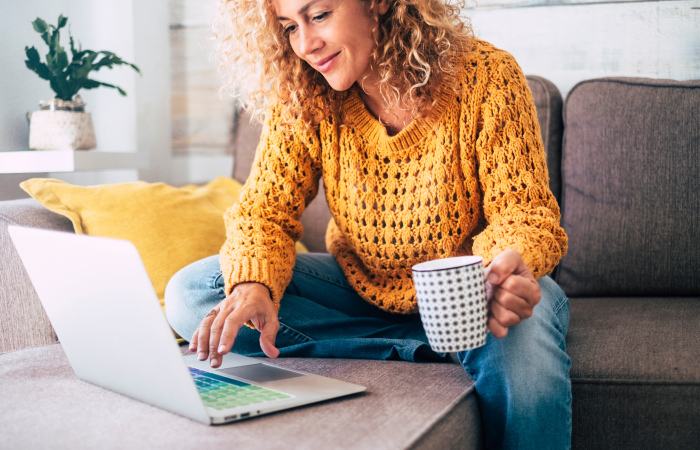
{"x": 333, "y": 36}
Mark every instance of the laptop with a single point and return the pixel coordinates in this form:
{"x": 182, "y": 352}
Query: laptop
{"x": 107, "y": 316}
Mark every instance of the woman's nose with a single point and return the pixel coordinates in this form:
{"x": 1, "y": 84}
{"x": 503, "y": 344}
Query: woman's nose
{"x": 309, "y": 41}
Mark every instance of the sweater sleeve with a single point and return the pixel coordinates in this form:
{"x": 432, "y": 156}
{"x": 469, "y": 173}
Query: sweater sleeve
{"x": 262, "y": 227}
{"x": 520, "y": 211}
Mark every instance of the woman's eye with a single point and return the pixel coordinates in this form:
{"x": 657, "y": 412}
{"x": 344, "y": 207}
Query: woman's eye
{"x": 321, "y": 16}
{"x": 290, "y": 29}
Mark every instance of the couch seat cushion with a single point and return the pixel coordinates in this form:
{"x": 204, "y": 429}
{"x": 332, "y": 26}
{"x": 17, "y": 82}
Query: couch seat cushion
{"x": 635, "y": 372}
{"x": 406, "y": 405}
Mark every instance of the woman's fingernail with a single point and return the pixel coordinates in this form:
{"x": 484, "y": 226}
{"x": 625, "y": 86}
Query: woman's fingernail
{"x": 493, "y": 277}
{"x": 221, "y": 348}
{"x": 202, "y": 356}
{"x": 214, "y": 361}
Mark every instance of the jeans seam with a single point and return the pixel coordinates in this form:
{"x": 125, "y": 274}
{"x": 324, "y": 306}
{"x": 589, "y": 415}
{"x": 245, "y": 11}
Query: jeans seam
{"x": 560, "y": 304}
{"x": 216, "y": 278}
{"x": 296, "y": 334}
{"x": 343, "y": 284}
{"x": 558, "y": 307}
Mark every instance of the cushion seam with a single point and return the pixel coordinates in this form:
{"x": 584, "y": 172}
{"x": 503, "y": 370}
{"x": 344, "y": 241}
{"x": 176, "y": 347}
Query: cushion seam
{"x": 633, "y": 382}
{"x": 624, "y": 82}
{"x": 8, "y": 219}
{"x": 31, "y": 346}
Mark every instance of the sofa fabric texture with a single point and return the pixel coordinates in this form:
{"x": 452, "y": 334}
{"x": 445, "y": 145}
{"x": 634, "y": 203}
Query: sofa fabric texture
{"x": 23, "y": 322}
{"x": 394, "y": 404}
{"x": 630, "y": 169}
{"x": 549, "y": 104}
{"x": 635, "y": 372}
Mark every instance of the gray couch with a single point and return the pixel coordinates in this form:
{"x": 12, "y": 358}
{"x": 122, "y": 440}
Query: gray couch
{"x": 624, "y": 160}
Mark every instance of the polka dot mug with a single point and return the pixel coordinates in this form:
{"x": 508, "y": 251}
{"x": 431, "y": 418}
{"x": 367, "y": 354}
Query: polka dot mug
{"x": 451, "y": 295}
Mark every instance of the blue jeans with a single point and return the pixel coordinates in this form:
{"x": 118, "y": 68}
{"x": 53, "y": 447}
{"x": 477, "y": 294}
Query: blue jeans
{"x": 522, "y": 380}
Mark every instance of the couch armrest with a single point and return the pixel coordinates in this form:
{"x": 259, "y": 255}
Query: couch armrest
{"x": 23, "y": 322}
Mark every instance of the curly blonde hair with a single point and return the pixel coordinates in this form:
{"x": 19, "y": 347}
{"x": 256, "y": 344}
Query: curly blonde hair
{"x": 416, "y": 47}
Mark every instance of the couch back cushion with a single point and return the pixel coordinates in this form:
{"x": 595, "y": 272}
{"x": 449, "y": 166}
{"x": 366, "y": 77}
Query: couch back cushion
{"x": 548, "y": 103}
{"x": 549, "y": 107}
{"x": 631, "y": 188}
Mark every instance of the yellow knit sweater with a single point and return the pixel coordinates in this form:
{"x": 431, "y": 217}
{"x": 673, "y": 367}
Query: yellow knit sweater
{"x": 470, "y": 178}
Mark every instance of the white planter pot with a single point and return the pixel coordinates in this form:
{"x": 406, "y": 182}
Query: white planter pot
{"x": 61, "y": 130}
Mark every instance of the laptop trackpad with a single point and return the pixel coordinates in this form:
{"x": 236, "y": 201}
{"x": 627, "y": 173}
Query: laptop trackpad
{"x": 260, "y": 373}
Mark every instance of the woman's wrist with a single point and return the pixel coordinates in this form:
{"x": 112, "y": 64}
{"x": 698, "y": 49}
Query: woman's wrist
{"x": 252, "y": 287}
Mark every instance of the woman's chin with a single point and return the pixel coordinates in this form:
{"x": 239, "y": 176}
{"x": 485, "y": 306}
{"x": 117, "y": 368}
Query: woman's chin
{"x": 339, "y": 85}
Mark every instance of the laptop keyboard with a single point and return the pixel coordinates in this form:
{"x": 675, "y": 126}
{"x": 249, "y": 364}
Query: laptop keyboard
{"x": 221, "y": 393}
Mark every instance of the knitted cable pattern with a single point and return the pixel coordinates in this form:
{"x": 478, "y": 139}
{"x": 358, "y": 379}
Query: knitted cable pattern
{"x": 470, "y": 178}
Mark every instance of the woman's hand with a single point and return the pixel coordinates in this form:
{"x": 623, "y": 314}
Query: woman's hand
{"x": 219, "y": 328}
{"x": 514, "y": 292}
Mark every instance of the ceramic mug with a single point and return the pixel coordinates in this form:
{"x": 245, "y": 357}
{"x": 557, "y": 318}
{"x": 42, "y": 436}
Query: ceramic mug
{"x": 452, "y": 302}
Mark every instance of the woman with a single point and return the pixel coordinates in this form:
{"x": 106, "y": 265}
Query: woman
{"x": 428, "y": 144}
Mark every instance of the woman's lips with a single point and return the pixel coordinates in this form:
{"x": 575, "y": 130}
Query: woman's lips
{"x": 325, "y": 64}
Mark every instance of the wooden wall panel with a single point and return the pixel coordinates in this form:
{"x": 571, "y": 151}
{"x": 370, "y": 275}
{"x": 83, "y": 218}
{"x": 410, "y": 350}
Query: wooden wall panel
{"x": 201, "y": 121}
{"x": 568, "y": 43}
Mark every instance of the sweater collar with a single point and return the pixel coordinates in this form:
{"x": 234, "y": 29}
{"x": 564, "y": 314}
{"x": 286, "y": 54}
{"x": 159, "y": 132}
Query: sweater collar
{"x": 359, "y": 117}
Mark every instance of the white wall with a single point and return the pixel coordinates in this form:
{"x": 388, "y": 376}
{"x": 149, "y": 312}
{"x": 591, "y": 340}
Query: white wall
{"x": 20, "y": 89}
{"x": 137, "y": 32}
{"x": 568, "y": 41}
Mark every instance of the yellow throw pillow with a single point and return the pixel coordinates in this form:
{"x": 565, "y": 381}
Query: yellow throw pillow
{"x": 171, "y": 227}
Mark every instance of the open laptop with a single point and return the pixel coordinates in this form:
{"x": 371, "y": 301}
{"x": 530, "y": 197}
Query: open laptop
{"x": 106, "y": 314}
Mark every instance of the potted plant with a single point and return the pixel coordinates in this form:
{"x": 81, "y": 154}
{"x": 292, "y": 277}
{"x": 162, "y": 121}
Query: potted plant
{"x": 62, "y": 123}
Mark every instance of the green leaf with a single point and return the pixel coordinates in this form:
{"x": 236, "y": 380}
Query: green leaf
{"x": 51, "y": 60}
{"x": 75, "y": 85}
{"x": 55, "y": 40}
{"x": 63, "y": 88}
{"x": 135, "y": 68}
{"x": 81, "y": 71}
{"x": 59, "y": 90}
{"x": 53, "y": 63}
{"x": 40, "y": 69}
{"x": 40, "y": 26}
{"x": 92, "y": 84}
{"x": 68, "y": 77}
{"x": 78, "y": 56}
{"x": 110, "y": 60}
{"x": 62, "y": 59}
{"x": 32, "y": 54}
{"x": 73, "y": 51}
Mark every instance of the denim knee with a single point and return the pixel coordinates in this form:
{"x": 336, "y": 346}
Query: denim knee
{"x": 191, "y": 293}
{"x": 522, "y": 380}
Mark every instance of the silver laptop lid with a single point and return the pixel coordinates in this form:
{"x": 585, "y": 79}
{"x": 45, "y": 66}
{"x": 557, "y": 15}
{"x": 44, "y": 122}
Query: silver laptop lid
{"x": 106, "y": 314}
